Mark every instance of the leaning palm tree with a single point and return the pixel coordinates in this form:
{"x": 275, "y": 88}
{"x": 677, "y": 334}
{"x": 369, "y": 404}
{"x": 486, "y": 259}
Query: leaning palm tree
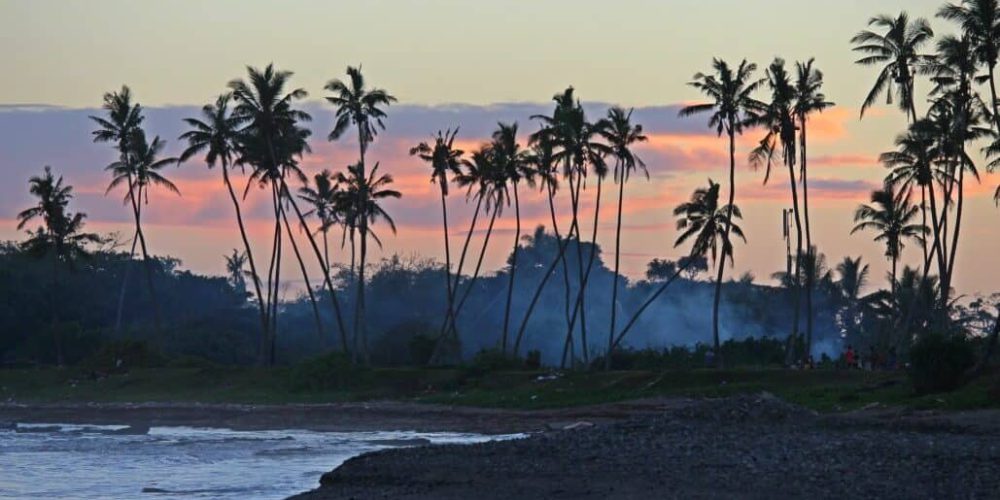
{"x": 60, "y": 237}
{"x": 216, "y": 134}
{"x": 622, "y": 135}
{"x": 444, "y": 159}
{"x": 731, "y": 92}
{"x": 893, "y": 219}
{"x": 809, "y": 99}
{"x": 358, "y": 105}
{"x": 514, "y": 164}
{"x": 123, "y": 118}
{"x": 271, "y": 141}
{"x": 897, "y": 49}
{"x": 366, "y": 194}
{"x": 980, "y": 22}
{"x": 139, "y": 172}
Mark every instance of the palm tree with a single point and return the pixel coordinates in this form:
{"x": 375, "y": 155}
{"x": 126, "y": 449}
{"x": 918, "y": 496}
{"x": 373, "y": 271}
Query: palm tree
{"x": 365, "y": 193}
{"x": 980, "y": 22}
{"x": 622, "y": 135}
{"x": 216, "y": 134}
{"x": 123, "y": 118}
{"x": 360, "y": 106}
{"x": 514, "y": 164}
{"x": 732, "y": 105}
{"x": 60, "y": 238}
{"x": 444, "y": 159}
{"x": 235, "y": 263}
{"x": 809, "y": 99}
{"x": 853, "y": 279}
{"x": 898, "y": 50}
{"x": 270, "y": 141}
{"x": 323, "y": 201}
{"x": 779, "y": 119}
{"x": 139, "y": 172}
{"x": 893, "y": 219}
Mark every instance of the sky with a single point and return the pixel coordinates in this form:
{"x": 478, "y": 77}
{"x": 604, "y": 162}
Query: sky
{"x": 458, "y": 63}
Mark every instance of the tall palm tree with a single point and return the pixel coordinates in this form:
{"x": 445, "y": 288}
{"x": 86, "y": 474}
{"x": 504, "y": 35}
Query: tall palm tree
{"x": 853, "y": 277}
{"x": 809, "y": 99}
{"x": 980, "y": 22}
{"x": 622, "y": 135}
{"x": 123, "y": 118}
{"x": 140, "y": 171}
{"x": 215, "y": 134}
{"x": 366, "y": 193}
{"x": 235, "y": 264}
{"x": 732, "y": 104}
{"x": 779, "y": 120}
{"x": 576, "y": 146}
{"x": 893, "y": 219}
{"x": 271, "y": 141}
{"x": 358, "y": 105}
{"x": 897, "y": 49}
{"x": 60, "y": 238}
{"x": 444, "y": 159}
{"x": 514, "y": 164}
{"x": 710, "y": 226}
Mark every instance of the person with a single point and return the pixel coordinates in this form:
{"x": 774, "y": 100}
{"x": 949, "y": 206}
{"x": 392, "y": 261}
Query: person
{"x": 849, "y": 357}
{"x": 890, "y": 363}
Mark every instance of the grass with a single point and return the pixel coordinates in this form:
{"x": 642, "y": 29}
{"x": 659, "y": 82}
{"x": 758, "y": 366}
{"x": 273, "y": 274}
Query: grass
{"x": 822, "y": 390}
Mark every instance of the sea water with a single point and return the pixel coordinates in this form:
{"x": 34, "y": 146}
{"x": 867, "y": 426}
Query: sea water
{"x": 95, "y": 462}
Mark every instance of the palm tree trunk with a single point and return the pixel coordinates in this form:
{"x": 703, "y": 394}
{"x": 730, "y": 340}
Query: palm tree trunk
{"x": 246, "y": 246}
{"x": 797, "y": 280}
{"x": 578, "y": 307}
{"x": 479, "y": 265}
{"x": 575, "y": 229}
{"x": 513, "y": 271}
{"x": 136, "y": 211}
{"x": 121, "y": 294}
{"x": 449, "y": 297}
{"x": 361, "y": 331}
{"x": 54, "y": 305}
{"x": 614, "y": 286}
{"x": 923, "y": 213}
{"x": 452, "y": 326}
{"x": 649, "y": 301}
{"x": 722, "y": 261}
{"x": 946, "y": 284}
{"x": 305, "y": 278}
{"x": 993, "y": 94}
{"x": 809, "y": 246}
{"x": 275, "y": 295}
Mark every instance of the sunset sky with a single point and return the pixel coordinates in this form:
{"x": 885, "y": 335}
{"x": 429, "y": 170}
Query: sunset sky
{"x": 468, "y": 64}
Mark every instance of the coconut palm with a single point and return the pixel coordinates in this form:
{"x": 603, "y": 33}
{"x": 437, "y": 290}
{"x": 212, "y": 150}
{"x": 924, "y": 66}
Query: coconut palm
{"x": 809, "y": 99}
{"x": 271, "y": 141}
{"x": 444, "y": 159}
{"x": 732, "y": 105}
{"x": 60, "y": 237}
{"x": 123, "y": 118}
{"x": 779, "y": 120}
{"x": 358, "y": 105}
{"x": 366, "y": 194}
{"x": 215, "y": 134}
{"x": 980, "y": 22}
{"x": 235, "y": 264}
{"x": 896, "y": 48}
{"x": 622, "y": 135}
{"x": 893, "y": 219}
{"x": 514, "y": 164}
{"x": 139, "y": 172}
{"x": 322, "y": 199}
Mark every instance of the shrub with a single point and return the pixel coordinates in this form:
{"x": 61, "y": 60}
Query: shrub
{"x": 492, "y": 360}
{"x": 333, "y": 371}
{"x": 122, "y": 355}
{"x": 937, "y": 362}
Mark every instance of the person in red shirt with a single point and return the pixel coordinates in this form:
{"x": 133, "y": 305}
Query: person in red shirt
{"x": 849, "y": 357}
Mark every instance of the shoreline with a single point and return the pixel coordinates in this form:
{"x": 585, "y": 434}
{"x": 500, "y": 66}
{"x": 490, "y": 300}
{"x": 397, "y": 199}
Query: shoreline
{"x": 335, "y": 417}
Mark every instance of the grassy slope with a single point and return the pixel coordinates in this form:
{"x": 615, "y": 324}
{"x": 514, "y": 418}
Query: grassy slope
{"x": 822, "y": 389}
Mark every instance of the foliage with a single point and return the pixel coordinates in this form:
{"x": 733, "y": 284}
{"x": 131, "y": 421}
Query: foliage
{"x": 938, "y": 362}
{"x": 333, "y": 371}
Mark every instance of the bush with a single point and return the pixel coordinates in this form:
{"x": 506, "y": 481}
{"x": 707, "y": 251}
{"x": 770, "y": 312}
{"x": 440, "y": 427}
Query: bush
{"x": 492, "y": 360}
{"x": 333, "y": 371}
{"x": 937, "y": 362}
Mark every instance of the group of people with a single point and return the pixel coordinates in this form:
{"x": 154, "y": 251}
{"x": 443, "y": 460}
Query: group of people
{"x": 874, "y": 360}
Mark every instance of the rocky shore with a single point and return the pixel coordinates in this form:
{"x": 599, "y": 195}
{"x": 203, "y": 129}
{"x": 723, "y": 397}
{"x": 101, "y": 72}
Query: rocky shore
{"x": 739, "y": 447}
